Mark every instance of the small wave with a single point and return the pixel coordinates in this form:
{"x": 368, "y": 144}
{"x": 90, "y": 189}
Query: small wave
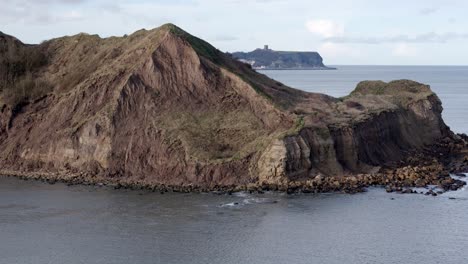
{"x": 233, "y": 204}
{"x": 259, "y": 201}
{"x": 459, "y": 194}
{"x": 248, "y": 201}
{"x": 241, "y": 194}
{"x": 465, "y": 179}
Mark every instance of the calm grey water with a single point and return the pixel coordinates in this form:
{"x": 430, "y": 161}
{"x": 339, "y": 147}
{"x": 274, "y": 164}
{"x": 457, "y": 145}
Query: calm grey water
{"x": 56, "y": 224}
{"x": 449, "y": 82}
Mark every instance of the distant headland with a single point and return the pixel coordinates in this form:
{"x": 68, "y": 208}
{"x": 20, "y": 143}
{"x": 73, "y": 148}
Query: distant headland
{"x": 268, "y": 59}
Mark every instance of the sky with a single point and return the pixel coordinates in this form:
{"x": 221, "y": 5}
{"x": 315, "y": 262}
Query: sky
{"x": 345, "y": 32}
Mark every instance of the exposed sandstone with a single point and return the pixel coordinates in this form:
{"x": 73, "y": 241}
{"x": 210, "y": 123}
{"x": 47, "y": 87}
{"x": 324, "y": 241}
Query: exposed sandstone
{"x": 165, "y": 110}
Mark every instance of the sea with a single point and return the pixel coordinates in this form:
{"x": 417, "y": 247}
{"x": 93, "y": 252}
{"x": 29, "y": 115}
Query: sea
{"x": 56, "y": 224}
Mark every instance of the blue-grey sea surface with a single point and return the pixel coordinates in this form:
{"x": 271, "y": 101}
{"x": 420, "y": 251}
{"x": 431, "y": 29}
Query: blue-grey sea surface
{"x": 56, "y": 224}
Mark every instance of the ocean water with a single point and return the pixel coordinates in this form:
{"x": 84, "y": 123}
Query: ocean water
{"x": 449, "y": 82}
{"x": 56, "y": 224}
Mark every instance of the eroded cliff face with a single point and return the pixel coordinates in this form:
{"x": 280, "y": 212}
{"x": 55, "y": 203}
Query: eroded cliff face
{"x": 164, "y": 107}
{"x": 169, "y": 115}
{"x": 358, "y": 145}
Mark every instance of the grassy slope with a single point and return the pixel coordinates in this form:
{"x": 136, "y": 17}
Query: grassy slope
{"x": 19, "y": 66}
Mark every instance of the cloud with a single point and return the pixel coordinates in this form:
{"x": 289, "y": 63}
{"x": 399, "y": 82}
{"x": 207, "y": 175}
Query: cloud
{"x": 404, "y": 50}
{"x": 39, "y": 11}
{"x": 24, "y": 3}
{"x": 325, "y": 28}
{"x": 72, "y": 15}
{"x": 242, "y": 2}
{"x": 224, "y": 38}
{"x": 334, "y": 50}
{"x": 428, "y": 11}
{"x": 430, "y": 37}
{"x": 111, "y": 8}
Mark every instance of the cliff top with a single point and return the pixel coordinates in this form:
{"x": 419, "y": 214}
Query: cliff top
{"x": 395, "y": 87}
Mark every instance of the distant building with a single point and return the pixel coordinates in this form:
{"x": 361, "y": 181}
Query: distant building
{"x": 265, "y": 47}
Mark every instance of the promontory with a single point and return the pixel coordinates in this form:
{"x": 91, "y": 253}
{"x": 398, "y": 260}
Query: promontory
{"x": 268, "y": 59}
{"x": 165, "y": 110}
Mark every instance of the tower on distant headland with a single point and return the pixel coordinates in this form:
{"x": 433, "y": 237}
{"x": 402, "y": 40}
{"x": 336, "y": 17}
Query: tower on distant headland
{"x": 265, "y": 47}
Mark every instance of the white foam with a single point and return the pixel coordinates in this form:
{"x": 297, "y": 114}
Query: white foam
{"x": 233, "y": 204}
{"x": 241, "y": 194}
{"x": 259, "y": 201}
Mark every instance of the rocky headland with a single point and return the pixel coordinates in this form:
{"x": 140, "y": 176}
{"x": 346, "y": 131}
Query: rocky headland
{"x": 268, "y": 59}
{"x": 163, "y": 110}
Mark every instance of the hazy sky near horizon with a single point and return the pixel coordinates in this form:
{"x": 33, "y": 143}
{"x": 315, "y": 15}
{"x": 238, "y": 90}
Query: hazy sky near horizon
{"x": 401, "y": 32}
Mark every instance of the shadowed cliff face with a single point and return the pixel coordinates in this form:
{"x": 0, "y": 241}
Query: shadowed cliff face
{"x": 378, "y": 128}
{"x": 165, "y": 107}
{"x": 365, "y": 146}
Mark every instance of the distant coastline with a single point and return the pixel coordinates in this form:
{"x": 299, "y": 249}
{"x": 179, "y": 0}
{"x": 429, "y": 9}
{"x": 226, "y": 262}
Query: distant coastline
{"x": 296, "y": 69}
{"x": 268, "y": 59}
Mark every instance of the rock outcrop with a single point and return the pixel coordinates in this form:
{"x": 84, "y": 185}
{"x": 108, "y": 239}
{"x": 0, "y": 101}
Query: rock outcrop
{"x": 281, "y": 60}
{"x": 164, "y": 108}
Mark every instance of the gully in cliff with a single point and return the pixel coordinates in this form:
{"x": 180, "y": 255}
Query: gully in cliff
{"x": 84, "y": 109}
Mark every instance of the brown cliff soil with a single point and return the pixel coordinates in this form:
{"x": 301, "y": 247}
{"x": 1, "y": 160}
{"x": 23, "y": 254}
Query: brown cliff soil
{"x": 162, "y": 109}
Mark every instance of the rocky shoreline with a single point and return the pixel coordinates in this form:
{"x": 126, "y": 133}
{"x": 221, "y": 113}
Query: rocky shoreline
{"x": 350, "y": 185}
{"x": 121, "y": 124}
{"x": 433, "y": 166}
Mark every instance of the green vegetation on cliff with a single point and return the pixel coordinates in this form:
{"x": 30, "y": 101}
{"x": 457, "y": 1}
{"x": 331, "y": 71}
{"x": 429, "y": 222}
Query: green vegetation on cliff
{"x": 18, "y": 64}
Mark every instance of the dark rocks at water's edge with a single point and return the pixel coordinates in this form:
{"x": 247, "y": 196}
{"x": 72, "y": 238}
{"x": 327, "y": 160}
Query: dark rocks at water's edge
{"x": 349, "y": 185}
{"x": 432, "y": 168}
